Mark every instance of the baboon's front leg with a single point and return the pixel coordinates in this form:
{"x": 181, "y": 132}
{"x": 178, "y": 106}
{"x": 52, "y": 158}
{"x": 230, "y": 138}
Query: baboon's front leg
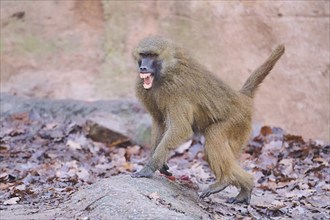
{"x": 178, "y": 124}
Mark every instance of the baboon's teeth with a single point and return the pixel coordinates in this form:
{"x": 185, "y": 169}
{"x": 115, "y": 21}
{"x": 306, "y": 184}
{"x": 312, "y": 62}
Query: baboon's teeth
{"x": 148, "y": 78}
{"x": 144, "y": 75}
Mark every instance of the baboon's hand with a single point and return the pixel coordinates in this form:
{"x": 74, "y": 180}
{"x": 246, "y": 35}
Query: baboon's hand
{"x": 205, "y": 193}
{"x": 145, "y": 172}
{"x": 164, "y": 170}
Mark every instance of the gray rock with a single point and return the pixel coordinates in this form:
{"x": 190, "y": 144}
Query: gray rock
{"x": 125, "y": 117}
{"x": 124, "y": 197}
{"x": 121, "y": 197}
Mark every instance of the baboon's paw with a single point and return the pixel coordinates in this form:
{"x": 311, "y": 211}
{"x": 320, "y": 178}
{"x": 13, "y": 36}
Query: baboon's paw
{"x": 206, "y": 193}
{"x": 165, "y": 172}
{"x": 236, "y": 200}
{"x": 145, "y": 172}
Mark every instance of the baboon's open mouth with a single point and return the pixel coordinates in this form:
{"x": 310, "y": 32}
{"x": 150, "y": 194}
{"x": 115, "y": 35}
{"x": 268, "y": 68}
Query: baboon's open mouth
{"x": 148, "y": 78}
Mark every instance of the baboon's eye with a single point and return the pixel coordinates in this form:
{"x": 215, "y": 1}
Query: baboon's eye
{"x": 148, "y": 54}
{"x": 153, "y": 55}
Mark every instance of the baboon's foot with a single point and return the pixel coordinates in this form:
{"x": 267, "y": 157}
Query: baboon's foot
{"x": 243, "y": 197}
{"x": 164, "y": 170}
{"x": 145, "y": 172}
{"x": 214, "y": 188}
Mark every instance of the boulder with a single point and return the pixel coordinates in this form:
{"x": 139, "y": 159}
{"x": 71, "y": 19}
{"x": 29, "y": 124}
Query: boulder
{"x": 108, "y": 121}
{"x": 123, "y": 197}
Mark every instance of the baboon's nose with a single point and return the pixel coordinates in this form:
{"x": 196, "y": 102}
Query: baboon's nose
{"x": 143, "y": 69}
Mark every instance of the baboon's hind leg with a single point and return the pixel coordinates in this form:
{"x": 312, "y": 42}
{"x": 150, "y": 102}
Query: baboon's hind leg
{"x": 244, "y": 181}
{"x": 220, "y": 150}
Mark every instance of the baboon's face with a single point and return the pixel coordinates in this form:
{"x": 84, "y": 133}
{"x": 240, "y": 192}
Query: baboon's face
{"x": 149, "y": 55}
{"x": 149, "y": 68}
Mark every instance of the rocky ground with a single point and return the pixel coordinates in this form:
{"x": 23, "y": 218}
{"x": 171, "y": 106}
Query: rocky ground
{"x": 56, "y": 163}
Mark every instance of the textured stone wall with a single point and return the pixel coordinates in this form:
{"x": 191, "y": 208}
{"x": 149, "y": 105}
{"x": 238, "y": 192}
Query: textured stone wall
{"x": 82, "y": 50}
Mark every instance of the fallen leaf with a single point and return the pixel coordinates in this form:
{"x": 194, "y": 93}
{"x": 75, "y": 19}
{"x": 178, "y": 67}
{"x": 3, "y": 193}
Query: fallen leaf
{"x": 11, "y": 201}
{"x": 50, "y": 126}
{"x": 83, "y": 174}
{"x": 73, "y": 145}
{"x": 184, "y": 147}
{"x": 133, "y": 150}
{"x": 153, "y": 196}
{"x": 3, "y": 177}
{"x": 21, "y": 187}
{"x": 184, "y": 177}
{"x": 128, "y": 166}
{"x": 171, "y": 178}
{"x": 286, "y": 166}
{"x": 266, "y": 130}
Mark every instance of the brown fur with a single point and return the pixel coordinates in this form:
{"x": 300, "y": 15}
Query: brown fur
{"x": 187, "y": 98}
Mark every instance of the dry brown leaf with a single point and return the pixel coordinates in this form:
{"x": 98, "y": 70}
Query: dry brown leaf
{"x": 128, "y": 166}
{"x": 266, "y": 130}
{"x": 133, "y": 150}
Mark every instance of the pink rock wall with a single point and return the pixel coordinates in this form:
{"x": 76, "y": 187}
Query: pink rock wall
{"x": 82, "y": 50}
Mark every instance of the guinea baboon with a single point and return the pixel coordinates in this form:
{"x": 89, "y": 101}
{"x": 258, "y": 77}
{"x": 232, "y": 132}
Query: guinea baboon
{"x": 183, "y": 97}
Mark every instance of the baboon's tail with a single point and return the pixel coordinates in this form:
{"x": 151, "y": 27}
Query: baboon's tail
{"x": 250, "y": 86}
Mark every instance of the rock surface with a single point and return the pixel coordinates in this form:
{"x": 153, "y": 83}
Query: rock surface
{"x": 124, "y": 117}
{"x": 123, "y": 197}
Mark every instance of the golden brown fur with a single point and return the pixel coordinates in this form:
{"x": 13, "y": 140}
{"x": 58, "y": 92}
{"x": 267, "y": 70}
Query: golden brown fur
{"x": 185, "y": 97}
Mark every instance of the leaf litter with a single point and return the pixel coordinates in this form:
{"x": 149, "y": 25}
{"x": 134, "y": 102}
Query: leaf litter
{"x": 43, "y": 161}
